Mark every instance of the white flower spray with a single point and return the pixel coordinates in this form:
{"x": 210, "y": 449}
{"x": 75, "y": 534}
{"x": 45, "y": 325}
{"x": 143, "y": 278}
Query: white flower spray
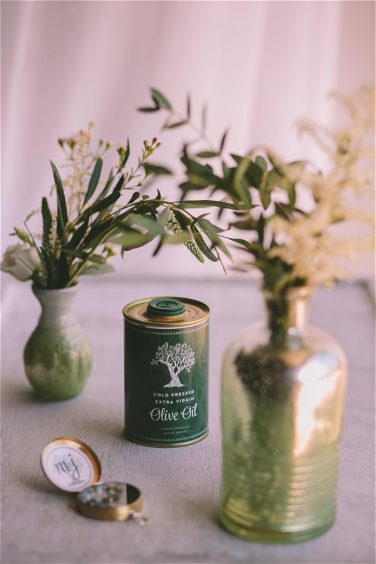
{"x": 309, "y": 242}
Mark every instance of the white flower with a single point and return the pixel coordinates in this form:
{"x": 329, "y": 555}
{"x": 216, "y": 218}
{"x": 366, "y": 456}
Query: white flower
{"x": 21, "y": 261}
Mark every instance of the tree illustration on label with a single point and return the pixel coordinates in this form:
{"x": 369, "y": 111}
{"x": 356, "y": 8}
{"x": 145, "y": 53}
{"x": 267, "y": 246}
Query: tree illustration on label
{"x": 176, "y": 358}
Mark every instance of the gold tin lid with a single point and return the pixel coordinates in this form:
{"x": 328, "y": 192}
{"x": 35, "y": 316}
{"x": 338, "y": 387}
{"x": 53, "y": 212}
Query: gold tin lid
{"x": 166, "y": 312}
{"x": 111, "y": 501}
{"x": 70, "y": 465}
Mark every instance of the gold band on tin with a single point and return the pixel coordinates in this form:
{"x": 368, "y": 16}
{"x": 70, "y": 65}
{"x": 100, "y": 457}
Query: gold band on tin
{"x": 195, "y": 313}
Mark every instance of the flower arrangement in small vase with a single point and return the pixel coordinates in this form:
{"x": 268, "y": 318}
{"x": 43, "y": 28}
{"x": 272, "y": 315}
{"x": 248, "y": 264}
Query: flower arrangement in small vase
{"x": 283, "y": 381}
{"x": 79, "y": 235}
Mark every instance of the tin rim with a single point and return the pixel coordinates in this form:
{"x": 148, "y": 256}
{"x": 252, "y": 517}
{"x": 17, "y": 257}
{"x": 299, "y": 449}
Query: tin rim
{"x": 76, "y": 444}
{"x": 200, "y": 308}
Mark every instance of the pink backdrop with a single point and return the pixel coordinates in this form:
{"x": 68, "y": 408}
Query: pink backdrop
{"x": 258, "y": 65}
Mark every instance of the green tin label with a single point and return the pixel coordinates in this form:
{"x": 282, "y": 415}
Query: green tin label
{"x": 166, "y": 384}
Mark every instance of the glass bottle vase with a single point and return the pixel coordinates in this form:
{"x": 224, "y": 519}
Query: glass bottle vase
{"x": 283, "y": 390}
{"x": 57, "y": 356}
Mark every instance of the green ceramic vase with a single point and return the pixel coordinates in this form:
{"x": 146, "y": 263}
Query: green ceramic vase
{"x": 57, "y": 356}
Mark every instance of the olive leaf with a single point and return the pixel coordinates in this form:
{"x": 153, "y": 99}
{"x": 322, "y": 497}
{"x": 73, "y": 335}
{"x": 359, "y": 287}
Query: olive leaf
{"x": 160, "y": 100}
{"x": 94, "y": 179}
{"x": 62, "y": 213}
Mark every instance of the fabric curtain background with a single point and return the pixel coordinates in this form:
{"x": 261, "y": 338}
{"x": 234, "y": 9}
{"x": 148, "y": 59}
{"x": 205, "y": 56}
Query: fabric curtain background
{"x": 258, "y": 65}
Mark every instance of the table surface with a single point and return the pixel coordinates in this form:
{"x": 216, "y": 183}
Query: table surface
{"x": 180, "y": 486}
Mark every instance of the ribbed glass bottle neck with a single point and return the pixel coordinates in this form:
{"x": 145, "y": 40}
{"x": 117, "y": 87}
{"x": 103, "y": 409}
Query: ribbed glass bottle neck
{"x": 287, "y": 313}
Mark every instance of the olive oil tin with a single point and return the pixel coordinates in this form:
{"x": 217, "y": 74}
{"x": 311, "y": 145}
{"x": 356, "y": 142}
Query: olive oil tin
{"x": 166, "y": 349}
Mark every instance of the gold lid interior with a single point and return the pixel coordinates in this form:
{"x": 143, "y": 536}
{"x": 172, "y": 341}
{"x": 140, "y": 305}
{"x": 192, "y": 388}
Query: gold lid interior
{"x": 110, "y": 501}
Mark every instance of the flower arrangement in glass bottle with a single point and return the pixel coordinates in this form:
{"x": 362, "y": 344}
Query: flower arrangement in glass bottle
{"x": 283, "y": 382}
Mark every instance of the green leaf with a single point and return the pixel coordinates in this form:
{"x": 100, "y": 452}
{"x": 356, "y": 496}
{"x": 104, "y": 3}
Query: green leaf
{"x": 186, "y": 187}
{"x": 98, "y": 259}
{"x": 253, "y": 248}
{"x": 107, "y": 186}
{"x": 148, "y": 109}
{"x": 147, "y": 223}
{"x": 198, "y": 180}
{"x": 291, "y": 192}
{"x": 223, "y": 141}
{"x": 177, "y": 238}
{"x": 209, "y": 226}
{"x": 175, "y": 124}
{"x": 22, "y": 235}
{"x": 206, "y": 154}
{"x": 219, "y": 243}
{"x": 277, "y": 179}
{"x": 274, "y": 163}
{"x": 160, "y": 100}
{"x": 241, "y": 185}
{"x": 261, "y": 162}
{"x": 265, "y": 192}
{"x": 74, "y": 253}
{"x": 78, "y": 235}
{"x": 212, "y": 232}
{"x": 93, "y": 270}
{"x": 98, "y": 231}
{"x": 157, "y": 170}
{"x": 187, "y": 204}
{"x": 248, "y": 224}
{"x": 188, "y": 107}
{"x": 133, "y": 198}
{"x": 203, "y": 170}
{"x": 94, "y": 179}
{"x": 62, "y": 214}
{"x": 202, "y": 245}
{"x": 226, "y": 172}
{"x": 253, "y": 173}
{"x": 119, "y": 184}
{"x": 284, "y": 211}
{"x": 105, "y": 203}
{"x": 129, "y": 238}
{"x": 261, "y": 228}
{"x": 164, "y": 216}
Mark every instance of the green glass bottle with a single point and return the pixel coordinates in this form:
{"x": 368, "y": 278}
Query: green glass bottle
{"x": 283, "y": 389}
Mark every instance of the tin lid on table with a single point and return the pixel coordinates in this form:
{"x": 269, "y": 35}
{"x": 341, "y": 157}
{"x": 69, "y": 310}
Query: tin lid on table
{"x": 111, "y": 501}
{"x": 166, "y": 311}
{"x": 70, "y": 465}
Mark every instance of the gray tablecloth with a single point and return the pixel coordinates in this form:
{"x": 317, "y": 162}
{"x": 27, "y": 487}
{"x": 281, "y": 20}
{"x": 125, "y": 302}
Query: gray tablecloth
{"x": 180, "y": 486}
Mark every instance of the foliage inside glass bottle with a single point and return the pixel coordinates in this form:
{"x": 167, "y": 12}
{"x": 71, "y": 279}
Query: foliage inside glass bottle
{"x": 291, "y": 246}
{"x": 92, "y": 215}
